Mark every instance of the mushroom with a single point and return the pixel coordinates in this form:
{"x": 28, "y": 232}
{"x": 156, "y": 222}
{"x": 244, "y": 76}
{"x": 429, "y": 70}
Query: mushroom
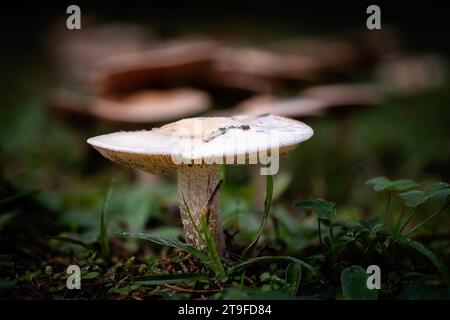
{"x": 293, "y": 107}
{"x": 135, "y": 109}
{"x": 267, "y": 69}
{"x": 307, "y": 58}
{"x": 399, "y": 74}
{"x": 152, "y": 106}
{"x": 313, "y": 102}
{"x": 167, "y": 64}
{"x": 195, "y": 148}
{"x": 344, "y": 96}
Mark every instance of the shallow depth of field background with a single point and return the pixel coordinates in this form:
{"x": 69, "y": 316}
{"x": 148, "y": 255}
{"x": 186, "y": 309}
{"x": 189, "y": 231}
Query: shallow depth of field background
{"x": 60, "y": 182}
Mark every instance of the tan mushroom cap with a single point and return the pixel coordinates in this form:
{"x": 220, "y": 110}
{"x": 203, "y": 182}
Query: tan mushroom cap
{"x": 345, "y": 94}
{"x": 301, "y": 59}
{"x": 293, "y": 107}
{"x": 141, "y": 107}
{"x": 203, "y": 140}
{"x": 172, "y": 62}
{"x": 151, "y": 106}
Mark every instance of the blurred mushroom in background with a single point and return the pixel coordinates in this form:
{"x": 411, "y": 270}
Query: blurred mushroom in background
{"x": 247, "y": 68}
{"x": 403, "y": 74}
{"x": 344, "y": 98}
{"x": 310, "y": 58}
{"x": 293, "y": 107}
{"x": 166, "y": 65}
{"x": 131, "y": 90}
{"x": 269, "y": 69}
{"x": 136, "y": 110}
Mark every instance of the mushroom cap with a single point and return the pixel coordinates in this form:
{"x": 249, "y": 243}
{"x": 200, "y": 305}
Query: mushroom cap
{"x": 176, "y": 62}
{"x": 344, "y": 94}
{"x": 152, "y": 106}
{"x": 202, "y": 141}
{"x": 295, "y": 107}
{"x": 141, "y": 107}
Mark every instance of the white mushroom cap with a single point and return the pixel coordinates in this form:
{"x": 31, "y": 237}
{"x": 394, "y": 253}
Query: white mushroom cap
{"x": 229, "y": 140}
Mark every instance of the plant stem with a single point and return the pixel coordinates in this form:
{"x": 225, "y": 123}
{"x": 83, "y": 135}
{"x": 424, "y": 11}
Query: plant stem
{"x": 386, "y": 213}
{"x": 399, "y": 220}
{"x": 276, "y": 228}
{"x": 267, "y": 203}
{"x": 428, "y": 219}
{"x": 408, "y": 220}
{"x": 320, "y": 232}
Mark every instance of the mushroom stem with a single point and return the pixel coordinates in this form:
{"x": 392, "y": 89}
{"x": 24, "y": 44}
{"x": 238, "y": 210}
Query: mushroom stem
{"x": 196, "y": 186}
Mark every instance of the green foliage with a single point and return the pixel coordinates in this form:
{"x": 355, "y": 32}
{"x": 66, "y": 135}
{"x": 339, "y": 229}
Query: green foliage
{"x": 438, "y": 190}
{"x": 354, "y": 284}
{"x": 6, "y": 218}
{"x": 72, "y": 241}
{"x": 267, "y": 203}
{"x": 347, "y": 247}
{"x": 415, "y": 198}
{"x": 102, "y": 242}
{"x": 293, "y": 277}
{"x": 103, "y": 234}
{"x": 426, "y": 288}
{"x": 384, "y": 184}
{"x": 215, "y": 261}
{"x": 170, "y": 243}
{"x": 425, "y": 251}
{"x": 323, "y": 209}
{"x": 160, "y": 279}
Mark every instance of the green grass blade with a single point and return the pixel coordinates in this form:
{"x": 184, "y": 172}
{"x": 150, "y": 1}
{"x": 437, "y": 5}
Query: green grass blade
{"x": 71, "y": 241}
{"x": 191, "y": 219}
{"x": 18, "y": 195}
{"x": 425, "y": 251}
{"x": 267, "y": 203}
{"x": 169, "y": 243}
{"x": 161, "y": 279}
{"x": 293, "y": 277}
{"x": 103, "y": 233}
{"x": 245, "y": 264}
{"x": 216, "y": 262}
{"x": 432, "y": 217}
{"x": 6, "y": 218}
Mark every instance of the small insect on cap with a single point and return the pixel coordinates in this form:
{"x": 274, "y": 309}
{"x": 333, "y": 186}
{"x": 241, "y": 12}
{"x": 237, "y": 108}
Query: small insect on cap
{"x": 203, "y": 141}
